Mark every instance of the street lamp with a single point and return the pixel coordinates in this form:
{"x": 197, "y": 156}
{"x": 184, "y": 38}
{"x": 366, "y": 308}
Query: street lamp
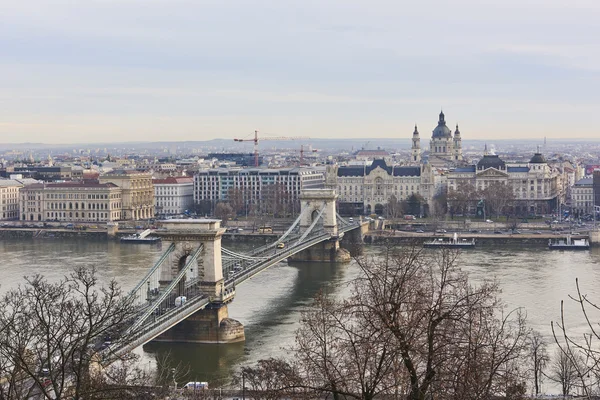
{"x": 243, "y": 385}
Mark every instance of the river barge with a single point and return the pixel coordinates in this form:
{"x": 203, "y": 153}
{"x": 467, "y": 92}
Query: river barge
{"x": 137, "y": 239}
{"x": 451, "y": 242}
{"x": 569, "y": 244}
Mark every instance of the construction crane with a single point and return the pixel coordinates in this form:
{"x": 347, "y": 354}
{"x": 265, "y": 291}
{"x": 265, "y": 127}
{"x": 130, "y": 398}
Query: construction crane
{"x": 255, "y": 140}
{"x": 302, "y": 153}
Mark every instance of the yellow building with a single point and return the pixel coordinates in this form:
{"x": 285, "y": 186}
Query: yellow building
{"x": 137, "y": 193}
{"x": 70, "y": 201}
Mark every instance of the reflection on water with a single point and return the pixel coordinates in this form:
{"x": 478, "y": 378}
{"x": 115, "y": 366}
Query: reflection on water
{"x": 269, "y": 305}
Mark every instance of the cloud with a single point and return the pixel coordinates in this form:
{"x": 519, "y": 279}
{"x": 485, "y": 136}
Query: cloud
{"x": 107, "y": 67}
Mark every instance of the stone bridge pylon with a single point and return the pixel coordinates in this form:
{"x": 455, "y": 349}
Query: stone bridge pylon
{"x": 318, "y": 212}
{"x": 211, "y": 324}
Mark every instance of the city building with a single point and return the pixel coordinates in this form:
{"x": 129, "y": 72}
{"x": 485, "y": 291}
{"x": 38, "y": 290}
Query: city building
{"x": 536, "y": 186}
{"x": 70, "y": 202}
{"x": 173, "y": 195}
{"x": 241, "y": 159}
{"x": 137, "y": 193}
{"x": 367, "y": 188}
{"x": 9, "y": 198}
{"x": 582, "y": 197}
{"x": 254, "y": 187}
{"x": 47, "y": 174}
{"x": 596, "y": 188}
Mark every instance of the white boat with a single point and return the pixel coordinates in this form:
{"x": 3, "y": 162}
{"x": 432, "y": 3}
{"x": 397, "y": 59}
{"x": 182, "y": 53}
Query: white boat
{"x": 451, "y": 242}
{"x": 137, "y": 239}
{"x": 569, "y": 244}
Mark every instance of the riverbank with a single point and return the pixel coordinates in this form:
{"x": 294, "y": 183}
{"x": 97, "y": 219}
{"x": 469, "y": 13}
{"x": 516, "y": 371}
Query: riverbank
{"x": 374, "y": 237}
{"x": 486, "y": 239}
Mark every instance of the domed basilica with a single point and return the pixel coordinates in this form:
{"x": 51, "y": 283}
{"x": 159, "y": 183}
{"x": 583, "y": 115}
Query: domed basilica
{"x": 445, "y": 149}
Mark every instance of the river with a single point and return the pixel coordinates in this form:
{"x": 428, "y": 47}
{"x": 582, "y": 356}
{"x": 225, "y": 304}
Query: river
{"x": 269, "y": 304}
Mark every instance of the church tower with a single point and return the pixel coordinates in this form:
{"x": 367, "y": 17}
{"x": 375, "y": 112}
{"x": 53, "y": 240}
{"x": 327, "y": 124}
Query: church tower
{"x": 416, "y": 147}
{"x": 457, "y": 145}
{"x": 441, "y": 144}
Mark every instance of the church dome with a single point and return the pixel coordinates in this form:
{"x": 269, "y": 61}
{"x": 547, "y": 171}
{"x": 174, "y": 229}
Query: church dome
{"x": 537, "y": 158}
{"x": 441, "y": 130}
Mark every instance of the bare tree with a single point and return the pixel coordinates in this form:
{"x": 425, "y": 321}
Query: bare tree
{"x": 394, "y": 208}
{"x": 460, "y": 199}
{"x": 235, "y": 198}
{"x": 539, "y": 359}
{"x": 564, "y": 370}
{"x": 224, "y": 212}
{"x": 413, "y": 327}
{"x": 51, "y": 334}
{"x": 271, "y": 379}
{"x": 499, "y": 198}
{"x": 454, "y": 339}
{"x": 579, "y": 359}
{"x": 341, "y": 352}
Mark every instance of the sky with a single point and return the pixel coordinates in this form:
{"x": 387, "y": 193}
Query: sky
{"x": 155, "y": 70}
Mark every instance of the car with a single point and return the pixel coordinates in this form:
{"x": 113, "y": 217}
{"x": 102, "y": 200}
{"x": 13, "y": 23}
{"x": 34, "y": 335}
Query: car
{"x": 489, "y": 221}
{"x": 280, "y": 245}
{"x": 474, "y": 231}
{"x": 537, "y": 233}
{"x": 497, "y": 231}
{"x": 516, "y": 232}
{"x": 351, "y": 219}
{"x": 441, "y": 231}
{"x": 45, "y": 382}
{"x": 420, "y": 231}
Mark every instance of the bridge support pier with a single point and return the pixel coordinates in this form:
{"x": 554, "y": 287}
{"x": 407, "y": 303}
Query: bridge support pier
{"x": 353, "y": 242}
{"x": 595, "y": 238}
{"x": 328, "y": 251}
{"x": 210, "y": 325}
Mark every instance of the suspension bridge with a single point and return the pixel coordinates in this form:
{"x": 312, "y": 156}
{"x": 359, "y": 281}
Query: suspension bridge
{"x": 184, "y": 296}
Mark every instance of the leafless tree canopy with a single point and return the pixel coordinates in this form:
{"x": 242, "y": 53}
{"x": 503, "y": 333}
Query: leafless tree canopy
{"x": 539, "y": 359}
{"x": 578, "y": 362}
{"x": 50, "y": 334}
{"x": 413, "y": 328}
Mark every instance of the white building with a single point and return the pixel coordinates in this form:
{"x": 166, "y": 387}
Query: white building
{"x": 173, "y": 195}
{"x": 255, "y": 185}
{"x": 9, "y": 199}
{"x": 582, "y": 197}
{"x": 536, "y": 185}
{"x": 367, "y": 188}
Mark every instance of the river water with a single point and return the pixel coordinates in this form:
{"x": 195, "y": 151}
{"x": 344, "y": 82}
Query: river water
{"x": 269, "y": 304}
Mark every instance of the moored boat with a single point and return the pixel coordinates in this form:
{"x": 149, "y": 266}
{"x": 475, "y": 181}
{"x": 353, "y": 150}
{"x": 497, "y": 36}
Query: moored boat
{"x": 569, "y": 244}
{"x": 137, "y": 239}
{"x": 451, "y": 242}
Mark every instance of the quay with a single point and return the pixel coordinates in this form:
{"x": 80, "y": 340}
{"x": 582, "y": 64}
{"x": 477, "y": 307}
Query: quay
{"x": 482, "y": 239}
{"x": 247, "y": 236}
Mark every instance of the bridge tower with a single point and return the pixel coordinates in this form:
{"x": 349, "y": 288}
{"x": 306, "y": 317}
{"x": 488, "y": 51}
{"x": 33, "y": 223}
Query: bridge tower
{"x": 211, "y": 324}
{"x": 318, "y": 211}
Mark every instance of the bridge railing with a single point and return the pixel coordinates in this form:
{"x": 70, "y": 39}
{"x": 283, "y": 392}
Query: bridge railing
{"x": 159, "y": 325}
{"x": 168, "y": 293}
{"x": 148, "y": 285}
{"x": 274, "y": 257}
